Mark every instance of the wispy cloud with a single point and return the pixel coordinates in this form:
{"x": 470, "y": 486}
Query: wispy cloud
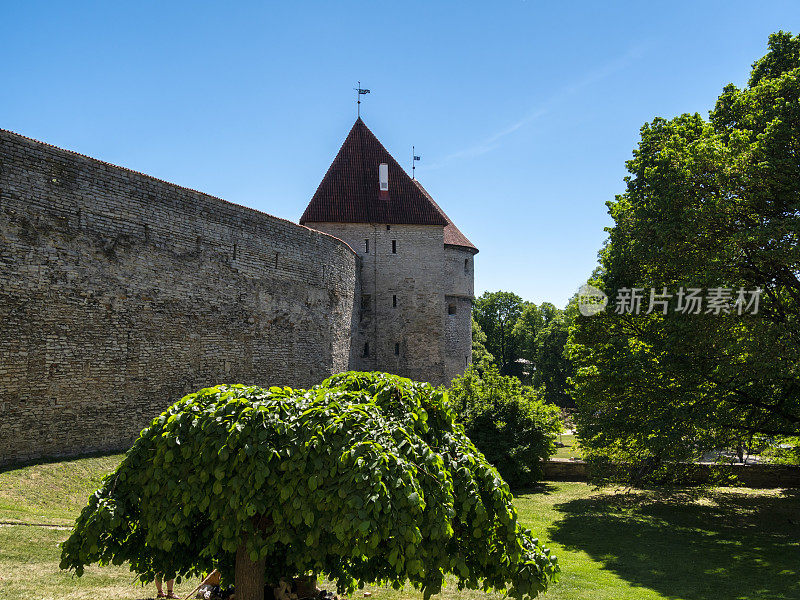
{"x": 494, "y": 141}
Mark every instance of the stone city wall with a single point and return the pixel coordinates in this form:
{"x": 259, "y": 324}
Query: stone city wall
{"x": 119, "y": 293}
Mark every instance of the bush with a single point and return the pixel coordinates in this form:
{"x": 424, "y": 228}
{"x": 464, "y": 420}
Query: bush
{"x": 782, "y": 450}
{"x": 508, "y": 422}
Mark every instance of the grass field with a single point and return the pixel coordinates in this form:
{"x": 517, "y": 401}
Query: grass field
{"x": 571, "y": 448}
{"x": 728, "y": 544}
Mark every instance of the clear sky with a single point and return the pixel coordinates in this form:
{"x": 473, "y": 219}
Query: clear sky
{"x": 523, "y": 112}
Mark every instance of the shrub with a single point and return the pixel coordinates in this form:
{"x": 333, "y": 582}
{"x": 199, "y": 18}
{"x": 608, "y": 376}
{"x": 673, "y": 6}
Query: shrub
{"x": 782, "y": 450}
{"x": 508, "y": 422}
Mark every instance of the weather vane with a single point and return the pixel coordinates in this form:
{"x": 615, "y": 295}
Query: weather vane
{"x": 414, "y": 159}
{"x": 360, "y": 92}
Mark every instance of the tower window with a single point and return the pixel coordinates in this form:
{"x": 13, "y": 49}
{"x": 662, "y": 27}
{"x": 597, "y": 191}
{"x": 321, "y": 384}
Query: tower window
{"x": 394, "y": 246}
{"x": 466, "y": 361}
{"x": 366, "y": 246}
{"x": 451, "y": 309}
{"x": 397, "y": 348}
{"x": 366, "y": 348}
{"x": 388, "y": 227}
{"x": 394, "y": 301}
{"x": 466, "y": 265}
{"x": 383, "y": 176}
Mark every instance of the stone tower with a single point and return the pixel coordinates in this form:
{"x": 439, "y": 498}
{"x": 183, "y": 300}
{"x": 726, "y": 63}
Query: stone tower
{"x": 416, "y": 267}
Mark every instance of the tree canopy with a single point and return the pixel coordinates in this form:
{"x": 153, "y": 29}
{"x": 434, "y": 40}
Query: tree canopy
{"x": 481, "y": 358}
{"x": 497, "y": 314}
{"x": 527, "y": 341}
{"x": 542, "y": 332}
{"x": 365, "y": 478}
{"x": 709, "y": 204}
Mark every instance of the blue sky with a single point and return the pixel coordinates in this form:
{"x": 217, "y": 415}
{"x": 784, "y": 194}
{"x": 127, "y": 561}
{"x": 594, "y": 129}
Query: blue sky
{"x": 523, "y": 112}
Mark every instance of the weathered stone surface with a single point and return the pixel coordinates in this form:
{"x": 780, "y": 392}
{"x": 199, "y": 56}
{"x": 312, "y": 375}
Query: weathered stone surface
{"x": 416, "y": 301}
{"x": 120, "y": 292}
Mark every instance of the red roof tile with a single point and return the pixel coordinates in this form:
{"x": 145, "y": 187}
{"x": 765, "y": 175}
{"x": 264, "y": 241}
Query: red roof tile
{"x": 349, "y": 191}
{"x": 452, "y": 234}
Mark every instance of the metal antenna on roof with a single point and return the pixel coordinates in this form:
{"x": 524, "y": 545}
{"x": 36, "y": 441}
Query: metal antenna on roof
{"x": 414, "y": 159}
{"x": 360, "y": 92}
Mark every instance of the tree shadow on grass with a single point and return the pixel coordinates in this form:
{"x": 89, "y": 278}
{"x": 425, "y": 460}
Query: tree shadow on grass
{"x": 542, "y": 487}
{"x": 56, "y": 460}
{"x": 728, "y": 544}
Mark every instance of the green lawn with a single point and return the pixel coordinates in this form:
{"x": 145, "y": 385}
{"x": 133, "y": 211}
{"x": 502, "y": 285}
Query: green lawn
{"x": 571, "y": 448}
{"x": 728, "y": 544}
{"x": 52, "y": 493}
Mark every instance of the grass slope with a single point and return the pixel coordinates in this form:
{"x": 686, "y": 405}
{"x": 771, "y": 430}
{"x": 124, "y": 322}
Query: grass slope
{"x": 728, "y": 544}
{"x": 52, "y": 493}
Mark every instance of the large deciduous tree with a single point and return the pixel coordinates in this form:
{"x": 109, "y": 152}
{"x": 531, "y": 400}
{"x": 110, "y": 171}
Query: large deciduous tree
{"x": 497, "y": 314}
{"x": 530, "y": 323}
{"x": 709, "y": 204}
{"x": 481, "y": 357}
{"x": 542, "y": 332}
{"x": 365, "y": 478}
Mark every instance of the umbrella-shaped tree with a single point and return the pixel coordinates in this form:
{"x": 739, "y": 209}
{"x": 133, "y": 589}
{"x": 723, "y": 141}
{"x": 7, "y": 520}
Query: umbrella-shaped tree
{"x": 365, "y": 478}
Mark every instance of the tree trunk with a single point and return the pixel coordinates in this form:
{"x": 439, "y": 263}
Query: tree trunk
{"x": 249, "y": 575}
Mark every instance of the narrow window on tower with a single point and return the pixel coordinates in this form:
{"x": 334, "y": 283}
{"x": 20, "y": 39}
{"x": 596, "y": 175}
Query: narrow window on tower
{"x": 394, "y": 301}
{"x": 366, "y": 246}
{"x": 397, "y": 349}
{"x": 383, "y": 176}
{"x": 451, "y": 309}
{"x": 388, "y": 227}
{"x": 366, "y": 348}
{"x": 466, "y": 265}
{"x": 394, "y": 246}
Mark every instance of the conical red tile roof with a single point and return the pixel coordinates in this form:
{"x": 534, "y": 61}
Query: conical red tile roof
{"x": 452, "y": 234}
{"x": 349, "y": 191}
